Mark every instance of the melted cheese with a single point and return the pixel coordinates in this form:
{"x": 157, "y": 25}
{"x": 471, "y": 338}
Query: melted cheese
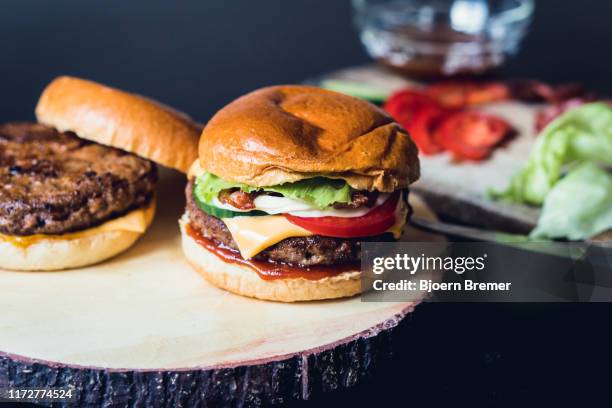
{"x": 254, "y": 234}
{"x": 134, "y": 221}
{"x": 401, "y": 211}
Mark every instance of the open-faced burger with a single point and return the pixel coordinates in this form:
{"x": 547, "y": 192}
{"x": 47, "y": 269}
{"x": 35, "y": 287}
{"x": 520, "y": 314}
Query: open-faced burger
{"x": 79, "y": 186}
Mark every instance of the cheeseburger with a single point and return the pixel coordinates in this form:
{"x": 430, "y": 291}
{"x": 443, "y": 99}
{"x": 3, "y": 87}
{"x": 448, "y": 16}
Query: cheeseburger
{"x": 290, "y": 180}
{"x": 79, "y": 186}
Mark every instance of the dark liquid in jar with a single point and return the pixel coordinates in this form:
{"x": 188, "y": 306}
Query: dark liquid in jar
{"x": 437, "y": 54}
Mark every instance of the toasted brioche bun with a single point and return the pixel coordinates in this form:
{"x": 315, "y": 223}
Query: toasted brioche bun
{"x": 72, "y": 250}
{"x": 287, "y": 133}
{"x": 244, "y": 281}
{"x": 119, "y": 119}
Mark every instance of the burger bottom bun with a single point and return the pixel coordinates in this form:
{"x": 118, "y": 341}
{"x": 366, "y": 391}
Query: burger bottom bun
{"x": 57, "y": 253}
{"x": 244, "y": 281}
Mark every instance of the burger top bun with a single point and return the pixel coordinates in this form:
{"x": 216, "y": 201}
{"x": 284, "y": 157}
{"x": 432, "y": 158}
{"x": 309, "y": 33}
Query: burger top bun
{"x": 287, "y": 133}
{"x": 120, "y": 119}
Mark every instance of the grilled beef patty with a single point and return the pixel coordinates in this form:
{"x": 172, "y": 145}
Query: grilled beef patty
{"x": 53, "y": 183}
{"x": 302, "y": 251}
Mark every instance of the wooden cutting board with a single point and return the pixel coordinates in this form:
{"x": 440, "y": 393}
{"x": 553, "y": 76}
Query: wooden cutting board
{"x": 145, "y": 327}
{"x": 459, "y": 190}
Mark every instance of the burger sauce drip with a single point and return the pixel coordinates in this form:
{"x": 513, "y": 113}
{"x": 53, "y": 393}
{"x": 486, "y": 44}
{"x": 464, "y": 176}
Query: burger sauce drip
{"x": 269, "y": 270}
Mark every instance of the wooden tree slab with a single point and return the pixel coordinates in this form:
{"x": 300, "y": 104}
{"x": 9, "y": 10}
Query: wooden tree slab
{"x": 145, "y": 330}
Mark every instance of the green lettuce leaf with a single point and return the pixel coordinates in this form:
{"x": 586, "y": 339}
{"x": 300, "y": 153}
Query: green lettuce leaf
{"x": 319, "y": 191}
{"x": 579, "y": 206}
{"x": 208, "y": 187}
{"x": 580, "y": 134}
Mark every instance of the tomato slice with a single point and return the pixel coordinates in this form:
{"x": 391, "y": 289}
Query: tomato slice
{"x": 458, "y": 95}
{"x": 375, "y": 222}
{"x": 422, "y": 128}
{"x": 418, "y": 113}
{"x": 434, "y": 123}
{"x": 404, "y": 104}
{"x": 471, "y": 135}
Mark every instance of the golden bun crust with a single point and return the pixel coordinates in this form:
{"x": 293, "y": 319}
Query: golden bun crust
{"x": 120, "y": 119}
{"x": 242, "y": 280}
{"x": 287, "y": 133}
{"x": 58, "y": 253}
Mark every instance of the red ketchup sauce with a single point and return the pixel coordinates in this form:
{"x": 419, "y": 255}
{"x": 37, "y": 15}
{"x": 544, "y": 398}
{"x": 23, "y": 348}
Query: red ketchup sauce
{"x": 269, "y": 270}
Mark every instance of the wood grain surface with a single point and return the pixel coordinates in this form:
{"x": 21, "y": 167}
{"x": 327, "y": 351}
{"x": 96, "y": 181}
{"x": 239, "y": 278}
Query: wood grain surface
{"x": 147, "y": 314}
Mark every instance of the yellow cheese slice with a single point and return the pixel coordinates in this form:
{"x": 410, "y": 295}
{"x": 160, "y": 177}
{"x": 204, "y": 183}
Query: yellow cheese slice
{"x": 401, "y": 211}
{"x": 135, "y": 221}
{"x": 254, "y": 234}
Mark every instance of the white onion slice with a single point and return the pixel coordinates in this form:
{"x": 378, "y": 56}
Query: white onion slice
{"x": 343, "y": 213}
{"x": 299, "y": 208}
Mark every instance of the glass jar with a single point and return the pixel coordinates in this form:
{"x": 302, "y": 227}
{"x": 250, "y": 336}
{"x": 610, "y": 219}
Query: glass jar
{"x": 441, "y": 38}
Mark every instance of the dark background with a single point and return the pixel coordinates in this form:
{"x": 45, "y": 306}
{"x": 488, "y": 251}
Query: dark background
{"x": 198, "y": 55}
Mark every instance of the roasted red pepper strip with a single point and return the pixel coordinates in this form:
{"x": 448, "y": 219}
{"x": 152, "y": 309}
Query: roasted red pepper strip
{"x": 458, "y": 95}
